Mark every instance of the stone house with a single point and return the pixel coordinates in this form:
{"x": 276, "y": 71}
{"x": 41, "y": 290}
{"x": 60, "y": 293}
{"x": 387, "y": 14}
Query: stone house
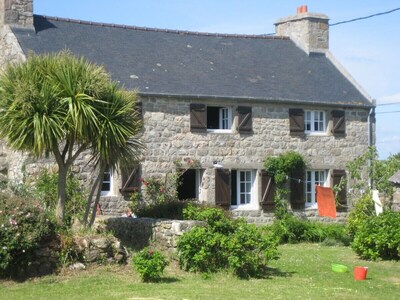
{"x": 226, "y": 101}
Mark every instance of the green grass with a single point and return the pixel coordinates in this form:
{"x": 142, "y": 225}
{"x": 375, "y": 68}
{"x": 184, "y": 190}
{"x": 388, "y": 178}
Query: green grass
{"x": 302, "y": 272}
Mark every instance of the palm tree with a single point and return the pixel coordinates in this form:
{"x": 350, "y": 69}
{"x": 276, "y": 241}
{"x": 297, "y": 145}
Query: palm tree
{"x": 115, "y": 144}
{"x": 54, "y": 104}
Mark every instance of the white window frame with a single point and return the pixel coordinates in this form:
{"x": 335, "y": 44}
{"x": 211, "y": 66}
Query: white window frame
{"x": 310, "y": 182}
{"x": 313, "y": 122}
{"x": 251, "y": 192}
{"x": 225, "y": 119}
{"x": 108, "y": 192}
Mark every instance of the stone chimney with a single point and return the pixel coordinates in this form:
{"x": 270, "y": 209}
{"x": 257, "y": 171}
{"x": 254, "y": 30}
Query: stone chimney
{"x": 310, "y": 31}
{"x": 16, "y": 13}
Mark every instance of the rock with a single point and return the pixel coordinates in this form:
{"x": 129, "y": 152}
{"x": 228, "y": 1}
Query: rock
{"x": 77, "y": 266}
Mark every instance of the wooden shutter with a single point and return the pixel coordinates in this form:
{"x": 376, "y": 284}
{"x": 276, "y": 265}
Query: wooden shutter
{"x": 297, "y": 198}
{"x": 130, "y": 179}
{"x": 222, "y": 188}
{"x": 337, "y": 177}
{"x": 338, "y": 122}
{"x": 198, "y": 118}
{"x": 296, "y": 121}
{"x": 267, "y": 192}
{"x": 245, "y": 122}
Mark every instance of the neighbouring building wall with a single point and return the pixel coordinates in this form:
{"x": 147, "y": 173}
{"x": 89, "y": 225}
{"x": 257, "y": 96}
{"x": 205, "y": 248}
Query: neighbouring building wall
{"x": 168, "y": 138}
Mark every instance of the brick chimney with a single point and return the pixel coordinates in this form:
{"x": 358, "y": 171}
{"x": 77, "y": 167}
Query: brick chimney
{"x": 16, "y": 13}
{"x": 310, "y": 31}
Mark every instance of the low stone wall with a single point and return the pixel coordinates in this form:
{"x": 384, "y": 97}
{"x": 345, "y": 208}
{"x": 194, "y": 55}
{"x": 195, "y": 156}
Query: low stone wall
{"x": 141, "y": 232}
{"x": 113, "y": 205}
{"x": 263, "y": 218}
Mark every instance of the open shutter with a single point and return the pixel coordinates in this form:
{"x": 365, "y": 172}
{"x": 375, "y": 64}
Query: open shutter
{"x": 297, "y": 198}
{"x": 198, "y": 118}
{"x": 267, "y": 192}
{"x": 130, "y": 179}
{"x": 245, "y": 122}
{"x": 296, "y": 121}
{"x": 338, "y": 122}
{"x": 222, "y": 188}
{"x": 337, "y": 177}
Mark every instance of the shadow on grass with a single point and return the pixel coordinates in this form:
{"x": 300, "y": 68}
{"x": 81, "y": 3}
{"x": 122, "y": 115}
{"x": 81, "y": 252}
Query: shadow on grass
{"x": 276, "y": 272}
{"x": 164, "y": 280}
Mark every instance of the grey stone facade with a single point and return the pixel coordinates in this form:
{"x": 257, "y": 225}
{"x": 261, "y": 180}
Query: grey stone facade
{"x": 17, "y": 12}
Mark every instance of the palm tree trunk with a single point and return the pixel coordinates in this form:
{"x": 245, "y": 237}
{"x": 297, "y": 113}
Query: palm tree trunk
{"x": 98, "y": 192}
{"x": 94, "y": 187}
{"x": 62, "y": 193}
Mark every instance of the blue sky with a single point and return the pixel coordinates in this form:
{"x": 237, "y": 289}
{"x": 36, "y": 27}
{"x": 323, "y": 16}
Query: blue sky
{"x": 368, "y": 49}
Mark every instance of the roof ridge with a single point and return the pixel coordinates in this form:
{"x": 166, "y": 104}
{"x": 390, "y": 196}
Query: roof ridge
{"x": 181, "y": 32}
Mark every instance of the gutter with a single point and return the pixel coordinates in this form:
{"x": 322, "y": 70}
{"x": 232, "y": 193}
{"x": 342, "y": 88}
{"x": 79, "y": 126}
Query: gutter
{"x": 371, "y": 140}
{"x": 257, "y": 100}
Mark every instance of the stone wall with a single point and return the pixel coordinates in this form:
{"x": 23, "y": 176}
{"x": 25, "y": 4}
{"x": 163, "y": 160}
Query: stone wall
{"x": 168, "y": 138}
{"x": 16, "y": 12}
{"x": 261, "y": 218}
{"x": 140, "y": 232}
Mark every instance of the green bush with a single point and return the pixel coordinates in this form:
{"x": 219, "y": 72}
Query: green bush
{"x": 24, "y": 224}
{"x": 167, "y": 210}
{"x": 291, "y": 229}
{"x": 379, "y": 237}
{"x": 224, "y": 244}
{"x": 150, "y": 264}
{"x": 363, "y": 209}
{"x": 45, "y": 190}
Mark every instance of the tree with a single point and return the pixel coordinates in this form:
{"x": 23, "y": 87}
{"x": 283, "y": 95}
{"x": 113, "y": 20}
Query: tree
{"x": 56, "y": 103}
{"x": 113, "y": 145}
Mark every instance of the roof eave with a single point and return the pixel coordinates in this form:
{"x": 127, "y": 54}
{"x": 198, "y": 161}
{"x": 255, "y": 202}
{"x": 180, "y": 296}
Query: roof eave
{"x": 257, "y": 100}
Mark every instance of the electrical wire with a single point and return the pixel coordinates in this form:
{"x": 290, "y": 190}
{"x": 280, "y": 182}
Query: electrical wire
{"x": 366, "y": 17}
{"x": 387, "y": 112}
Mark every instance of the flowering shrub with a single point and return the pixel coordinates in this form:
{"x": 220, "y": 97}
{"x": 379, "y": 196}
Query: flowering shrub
{"x": 23, "y": 225}
{"x": 150, "y": 264}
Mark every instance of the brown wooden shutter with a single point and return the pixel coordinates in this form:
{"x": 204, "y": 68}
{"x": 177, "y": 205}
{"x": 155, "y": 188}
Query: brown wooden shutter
{"x": 296, "y": 121}
{"x": 245, "y": 122}
{"x": 338, "y": 122}
{"x": 297, "y": 198}
{"x": 198, "y": 118}
{"x": 139, "y": 109}
{"x": 222, "y": 188}
{"x": 337, "y": 177}
{"x": 267, "y": 192}
{"x": 130, "y": 179}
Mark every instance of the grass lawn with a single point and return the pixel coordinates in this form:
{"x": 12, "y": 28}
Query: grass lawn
{"x": 302, "y": 272}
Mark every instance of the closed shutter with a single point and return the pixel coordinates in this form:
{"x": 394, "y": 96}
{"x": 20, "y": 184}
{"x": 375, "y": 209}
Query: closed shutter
{"x": 198, "y": 118}
{"x": 296, "y": 121}
{"x": 338, "y": 122}
{"x": 337, "y": 179}
{"x": 222, "y": 188}
{"x": 297, "y": 198}
{"x": 130, "y": 179}
{"x": 245, "y": 122}
{"x": 139, "y": 109}
{"x": 267, "y": 191}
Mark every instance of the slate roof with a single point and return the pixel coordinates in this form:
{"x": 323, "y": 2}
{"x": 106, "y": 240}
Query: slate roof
{"x": 395, "y": 178}
{"x": 188, "y": 64}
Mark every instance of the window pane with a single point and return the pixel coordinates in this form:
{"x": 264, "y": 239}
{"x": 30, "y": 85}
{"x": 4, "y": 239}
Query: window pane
{"x": 105, "y": 186}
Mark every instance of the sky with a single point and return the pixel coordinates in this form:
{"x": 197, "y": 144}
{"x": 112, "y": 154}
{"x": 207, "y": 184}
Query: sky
{"x": 368, "y": 49}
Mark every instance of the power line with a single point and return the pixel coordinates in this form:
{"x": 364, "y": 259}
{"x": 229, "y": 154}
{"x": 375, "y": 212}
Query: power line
{"x": 366, "y": 17}
{"x": 388, "y": 112}
{"x": 392, "y": 103}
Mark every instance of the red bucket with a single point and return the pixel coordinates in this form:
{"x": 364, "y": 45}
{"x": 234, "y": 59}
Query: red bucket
{"x": 360, "y": 273}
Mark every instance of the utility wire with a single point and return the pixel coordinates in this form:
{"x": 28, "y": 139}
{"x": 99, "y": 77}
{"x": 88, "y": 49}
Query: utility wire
{"x": 388, "y": 112}
{"x": 392, "y": 103}
{"x": 366, "y": 17}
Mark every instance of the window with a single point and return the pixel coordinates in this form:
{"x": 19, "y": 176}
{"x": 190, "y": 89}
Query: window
{"x": 219, "y": 118}
{"x": 242, "y": 187}
{"x": 190, "y": 184}
{"x": 316, "y": 177}
{"x": 314, "y": 121}
{"x": 106, "y": 188}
